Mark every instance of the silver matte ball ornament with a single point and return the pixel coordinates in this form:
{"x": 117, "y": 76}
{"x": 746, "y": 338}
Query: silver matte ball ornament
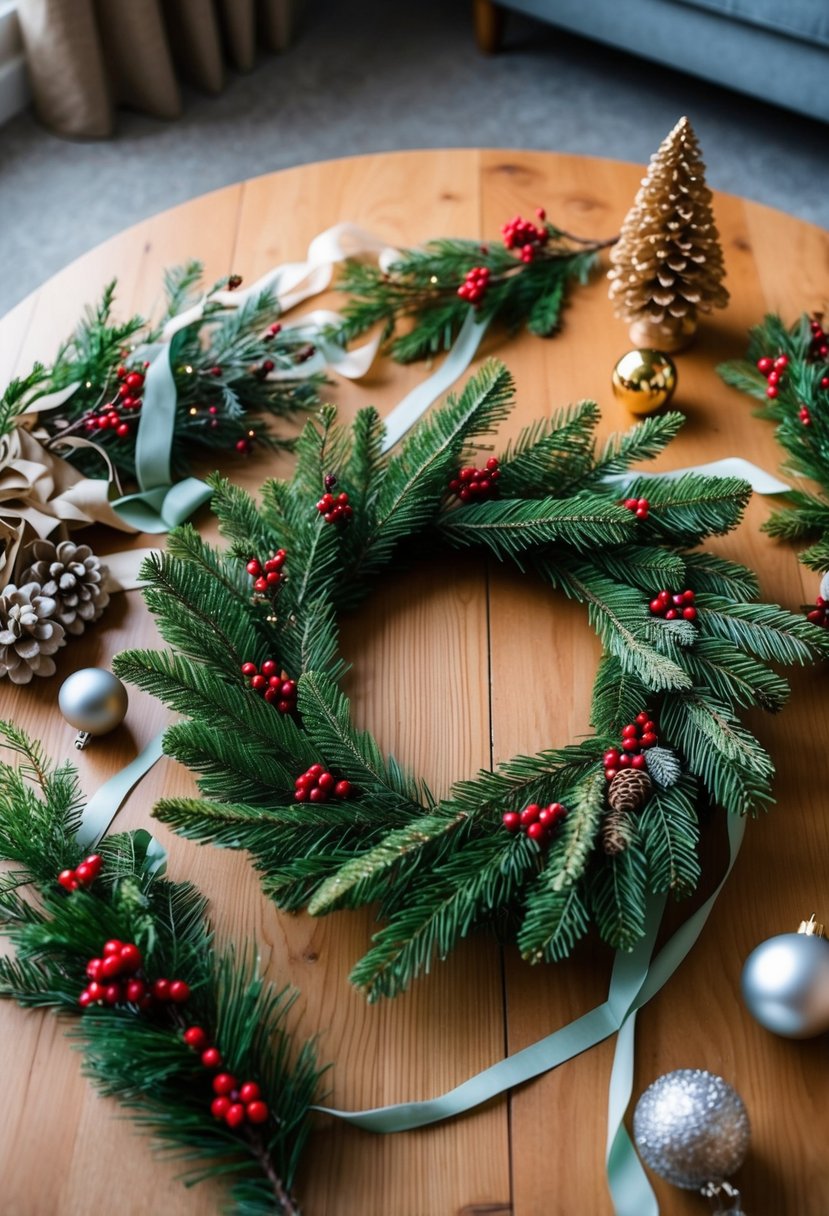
{"x": 786, "y": 983}
{"x": 94, "y": 701}
{"x": 692, "y": 1129}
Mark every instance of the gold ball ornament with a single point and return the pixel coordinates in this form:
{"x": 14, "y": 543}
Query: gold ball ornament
{"x": 644, "y": 380}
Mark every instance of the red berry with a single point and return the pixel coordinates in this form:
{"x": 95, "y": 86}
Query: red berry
{"x": 179, "y": 992}
{"x": 235, "y": 1115}
{"x": 161, "y": 990}
{"x": 781, "y": 361}
{"x": 342, "y": 789}
{"x": 611, "y": 757}
{"x": 326, "y": 781}
{"x": 112, "y": 994}
{"x": 537, "y": 831}
{"x": 111, "y": 966}
{"x": 196, "y": 1037}
{"x": 610, "y": 773}
{"x": 249, "y": 1092}
{"x": 95, "y": 990}
{"x": 243, "y": 446}
{"x": 317, "y": 795}
{"x": 765, "y": 364}
{"x": 258, "y": 683}
{"x": 211, "y": 1057}
{"x": 655, "y": 606}
{"x": 530, "y": 814}
{"x": 93, "y": 968}
{"x": 249, "y": 669}
{"x": 641, "y": 719}
{"x": 130, "y": 957}
{"x": 289, "y": 690}
{"x": 83, "y": 874}
{"x": 135, "y": 990}
{"x": 511, "y": 821}
{"x": 257, "y": 1112}
{"x": 637, "y": 761}
{"x": 267, "y": 365}
{"x": 690, "y": 613}
{"x": 269, "y": 668}
{"x": 671, "y": 614}
{"x": 112, "y": 947}
{"x": 649, "y": 739}
{"x": 219, "y": 1107}
{"x": 224, "y": 1082}
{"x": 641, "y": 512}
{"x": 315, "y": 770}
{"x": 630, "y": 731}
{"x": 67, "y": 880}
{"x": 625, "y": 760}
{"x": 631, "y": 504}
{"x": 630, "y": 744}
{"x": 771, "y": 391}
{"x": 84, "y": 999}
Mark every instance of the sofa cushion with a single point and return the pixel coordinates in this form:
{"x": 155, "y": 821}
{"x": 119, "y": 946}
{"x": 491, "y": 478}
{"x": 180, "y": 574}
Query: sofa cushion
{"x": 807, "y": 20}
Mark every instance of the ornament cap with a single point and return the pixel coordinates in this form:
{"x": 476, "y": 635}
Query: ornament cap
{"x": 811, "y": 928}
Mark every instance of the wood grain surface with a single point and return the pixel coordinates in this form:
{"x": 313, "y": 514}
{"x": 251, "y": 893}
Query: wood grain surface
{"x": 455, "y": 666}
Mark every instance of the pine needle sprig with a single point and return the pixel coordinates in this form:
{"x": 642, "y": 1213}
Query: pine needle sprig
{"x": 138, "y": 1055}
{"x": 416, "y": 300}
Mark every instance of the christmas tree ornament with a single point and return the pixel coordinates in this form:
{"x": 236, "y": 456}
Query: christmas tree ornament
{"x": 94, "y": 701}
{"x": 73, "y": 577}
{"x": 29, "y": 634}
{"x": 667, "y": 266}
{"x": 692, "y": 1129}
{"x": 644, "y": 380}
{"x": 785, "y": 982}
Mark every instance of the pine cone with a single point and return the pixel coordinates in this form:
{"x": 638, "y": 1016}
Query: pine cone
{"x": 28, "y": 633}
{"x": 617, "y": 832}
{"x": 73, "y": 577}
{"x": 628, "y": 789}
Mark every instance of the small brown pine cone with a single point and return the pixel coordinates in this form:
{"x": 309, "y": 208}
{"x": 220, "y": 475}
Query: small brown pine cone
{"x": 628, "y": 789}
{"x": 617, "y": 832}
{"x": 73, "y": 577}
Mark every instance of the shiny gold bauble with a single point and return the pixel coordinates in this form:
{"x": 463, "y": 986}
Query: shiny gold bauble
{"x": 644, "y": 380}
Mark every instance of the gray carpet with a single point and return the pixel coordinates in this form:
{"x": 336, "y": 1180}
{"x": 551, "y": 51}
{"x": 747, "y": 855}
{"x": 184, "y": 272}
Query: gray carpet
{"x": 370, "y": 75}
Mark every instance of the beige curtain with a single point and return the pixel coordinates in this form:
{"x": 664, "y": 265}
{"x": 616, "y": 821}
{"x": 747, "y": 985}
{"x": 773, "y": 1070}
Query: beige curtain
{"x": 86, "y": 57}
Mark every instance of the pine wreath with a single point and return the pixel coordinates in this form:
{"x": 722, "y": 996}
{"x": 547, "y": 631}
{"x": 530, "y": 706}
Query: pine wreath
{"x": 330, "y": 822}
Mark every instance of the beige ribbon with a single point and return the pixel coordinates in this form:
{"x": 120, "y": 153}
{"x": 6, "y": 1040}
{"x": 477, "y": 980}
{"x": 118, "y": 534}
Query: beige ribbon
{"x": 41, "y": 494}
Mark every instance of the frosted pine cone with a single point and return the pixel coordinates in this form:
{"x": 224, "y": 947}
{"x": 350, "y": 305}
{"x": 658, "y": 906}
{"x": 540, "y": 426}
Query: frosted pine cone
{"x": 29, "y": 635}
{"x": 73, "y": 577}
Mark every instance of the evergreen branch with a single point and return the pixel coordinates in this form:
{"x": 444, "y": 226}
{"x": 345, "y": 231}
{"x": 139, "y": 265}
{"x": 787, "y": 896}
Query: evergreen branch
{"x": 509, "y": 528}
{"x": 669, "y": 834}
{"x": 617, "y": 893}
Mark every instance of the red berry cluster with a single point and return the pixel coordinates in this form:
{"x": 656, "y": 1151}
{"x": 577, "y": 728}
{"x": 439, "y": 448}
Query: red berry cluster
{"x": 524, "y": 235}
{"x": 272, "y": 684}
{"x": 272, "y": 331}
{"x": 805, "y": 415}
{"x": 673, "y": 607}
{"x": 476, "y": 484}
{"x": 473, "y": 288}
{"x": 819, "y": 345}
{"x": 269, "y": 576}
{"x": 538, "y": 822}
{"x": 317, "y": 785}
{"x": 773, "y": 370}
{"x": 334, "y": 508}
{"x": 819, "y": 615}
{"x": 83, "y": 875}
{"x": 114, "y": 979}
{"x": 234, "y": 1102}
{"x": 128, "y": 398}
{"x": 639, "y": 506}
{"x": 637, "y": 737}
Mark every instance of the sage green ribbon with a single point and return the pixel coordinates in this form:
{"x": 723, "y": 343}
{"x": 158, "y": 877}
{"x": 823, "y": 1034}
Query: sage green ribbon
{"x": 634, "y": 980}
{"x": 105, "y": 804}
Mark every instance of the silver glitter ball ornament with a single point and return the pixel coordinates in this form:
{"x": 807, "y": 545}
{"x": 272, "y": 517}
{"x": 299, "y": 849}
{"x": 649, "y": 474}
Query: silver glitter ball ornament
{"x": 94, "y": 701}
{"x": 786, "y": 983}
{"x": 691, "y": 1128}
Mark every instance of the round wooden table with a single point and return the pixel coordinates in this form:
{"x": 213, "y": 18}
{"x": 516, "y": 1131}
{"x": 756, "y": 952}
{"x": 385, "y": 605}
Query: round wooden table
{"x": 456, "y": 666}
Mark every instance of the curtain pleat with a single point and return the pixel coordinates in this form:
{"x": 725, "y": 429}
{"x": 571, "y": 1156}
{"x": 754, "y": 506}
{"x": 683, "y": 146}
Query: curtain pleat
{"x": 87, "y": 56}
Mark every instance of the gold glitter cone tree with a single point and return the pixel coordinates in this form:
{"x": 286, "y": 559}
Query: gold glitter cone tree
{"x": 667, "y": 266}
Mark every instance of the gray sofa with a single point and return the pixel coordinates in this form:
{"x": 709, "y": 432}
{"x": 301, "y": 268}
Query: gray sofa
{"x": 777, "y": 50}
